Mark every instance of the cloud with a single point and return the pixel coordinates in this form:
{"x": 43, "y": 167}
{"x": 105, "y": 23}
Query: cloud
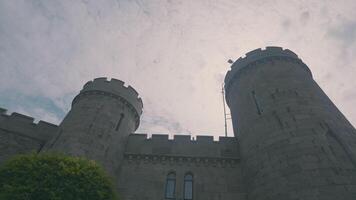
{"x": 40, "y": 108}
{"x": 345, "y": 33}
{"x": 304, "y": 17}
{"x": 173, "y": 52}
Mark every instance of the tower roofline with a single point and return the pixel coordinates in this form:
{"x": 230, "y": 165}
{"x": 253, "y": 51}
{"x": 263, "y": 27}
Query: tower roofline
{"x": 259, "y": 55}
{"x": 116, "y": 89}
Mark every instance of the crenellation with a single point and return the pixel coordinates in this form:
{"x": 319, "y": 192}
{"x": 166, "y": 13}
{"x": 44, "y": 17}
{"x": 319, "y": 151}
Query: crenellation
{"x": 180, "y": 159}
{"x": 117, "y": 82}
{"x": 159, "y": 138}
{"x": 132, "y": 90}
{"x": 290, "y": 53}
{"x": 44, "y": 128}
{"x": 202, "y": 139}
{"x": 19, "y": 134}
{"x": 21, "y": 120}
{"x": 182, "y": 145}
{"x": 24, "y": 125}
{"x": 274, "y": 49}
{"x": 182, "y": 138}
{"x": 103, "y": 80}
{"x": 17, "y": 117}
{"x": 87, "y": 84}
{"x": 139, "y": 137}
{"x": 255, "y": 52}
{"x": 259, "y": 56}
{"x": 44, "y": 124}
{"x": 116, "y": 88}
{"x": 3, "y": 110}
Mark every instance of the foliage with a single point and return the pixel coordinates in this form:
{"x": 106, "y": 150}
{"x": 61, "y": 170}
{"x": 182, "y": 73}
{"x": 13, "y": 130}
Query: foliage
{"x": 54, "y": 177}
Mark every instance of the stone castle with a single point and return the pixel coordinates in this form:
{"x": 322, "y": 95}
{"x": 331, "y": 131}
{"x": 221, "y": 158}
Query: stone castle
{"x": 291, "y": 142}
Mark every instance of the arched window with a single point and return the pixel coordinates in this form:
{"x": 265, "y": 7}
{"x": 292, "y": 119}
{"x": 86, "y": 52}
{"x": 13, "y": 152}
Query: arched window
{"x": 170, "y": 186}
{"x": 188, "y": 186}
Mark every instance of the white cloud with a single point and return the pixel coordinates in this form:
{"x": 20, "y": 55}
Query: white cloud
{"x": 172, "y": 52}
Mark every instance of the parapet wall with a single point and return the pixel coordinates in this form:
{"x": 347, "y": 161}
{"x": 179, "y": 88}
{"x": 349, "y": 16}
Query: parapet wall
{"x": 215, "y": 166}
{"x": 19, "y": 134}
{"x": 23, "y": 125}
{"x": 258, "y": 55}
{"x": 183, "y": 145}
{"x": 115, "y": 87}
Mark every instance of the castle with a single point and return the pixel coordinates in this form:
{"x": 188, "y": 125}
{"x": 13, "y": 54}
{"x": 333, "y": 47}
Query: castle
{"x": 291, "y": 142}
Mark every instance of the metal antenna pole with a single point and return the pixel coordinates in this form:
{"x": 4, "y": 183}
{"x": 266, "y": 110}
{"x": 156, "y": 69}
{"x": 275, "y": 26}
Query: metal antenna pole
{"x": 223, "y": 96}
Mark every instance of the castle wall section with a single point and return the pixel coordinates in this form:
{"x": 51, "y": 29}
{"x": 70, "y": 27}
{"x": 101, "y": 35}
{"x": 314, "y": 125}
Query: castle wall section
{"x": 19, "y": 134}
{"x": 215, "y": 167}
{"x": 294, "y": 142}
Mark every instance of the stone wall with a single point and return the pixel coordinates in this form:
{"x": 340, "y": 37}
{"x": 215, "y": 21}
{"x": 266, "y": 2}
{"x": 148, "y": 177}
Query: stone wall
{"x": 294, "y": 142}
{"x": 19, "y": 134}
{"x": 97, "y": 127}
{"x": 215, "y": 166}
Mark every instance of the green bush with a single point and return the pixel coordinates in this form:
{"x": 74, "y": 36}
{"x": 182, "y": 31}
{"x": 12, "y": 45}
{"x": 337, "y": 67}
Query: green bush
{"x": 54, "y": 177}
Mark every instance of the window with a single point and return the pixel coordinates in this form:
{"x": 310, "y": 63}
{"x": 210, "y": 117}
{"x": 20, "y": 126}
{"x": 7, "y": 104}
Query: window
{"x": 188, "y": 186}
{"x": 120, "y": 121}
{"x": 170, "y": 186}
{"x": 259, "y": 110}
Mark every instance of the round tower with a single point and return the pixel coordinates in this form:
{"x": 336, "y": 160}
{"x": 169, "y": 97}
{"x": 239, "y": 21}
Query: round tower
{"x": 102, "y": 116}
{"x": 294, "y": 142}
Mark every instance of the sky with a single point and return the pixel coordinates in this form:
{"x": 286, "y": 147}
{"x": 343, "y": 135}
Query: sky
{"x": 173, "y": 52}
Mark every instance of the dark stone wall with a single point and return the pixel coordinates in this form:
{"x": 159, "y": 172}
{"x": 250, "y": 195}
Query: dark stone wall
{"x": 215, "y": 166}
{"x": 19, "y": 134}
{"x": 97, "y": 127}
{"x": 294, "y": 142}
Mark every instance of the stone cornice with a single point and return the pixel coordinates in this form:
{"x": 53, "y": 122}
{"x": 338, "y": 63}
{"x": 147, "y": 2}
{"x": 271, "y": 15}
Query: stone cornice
{"x": 181, "y": 160}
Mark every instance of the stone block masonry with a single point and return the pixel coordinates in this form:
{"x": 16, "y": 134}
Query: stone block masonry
{"x": 215, "y": 166}
{"x": 294, "y": 142}
{"x": 19, "y": 134}
{"x": 102, "y": 116}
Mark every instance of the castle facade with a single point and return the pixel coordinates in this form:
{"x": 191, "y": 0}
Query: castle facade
{"x": 290, "y": 141}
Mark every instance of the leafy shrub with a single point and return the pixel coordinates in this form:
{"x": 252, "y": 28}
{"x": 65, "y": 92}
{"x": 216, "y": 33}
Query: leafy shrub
{"x": 54, "y": 177}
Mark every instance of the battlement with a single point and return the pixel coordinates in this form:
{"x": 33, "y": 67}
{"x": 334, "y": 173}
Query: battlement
{"x": 183, "y": 145}
{"x": 113, "y": 87}
{"x": 259, "y": 55}
{"x": 23, "y": 125}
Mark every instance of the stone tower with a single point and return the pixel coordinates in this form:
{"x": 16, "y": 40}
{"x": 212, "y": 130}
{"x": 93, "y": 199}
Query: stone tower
{"x": 102, "y": 116}
{"x": 294, "y": 142}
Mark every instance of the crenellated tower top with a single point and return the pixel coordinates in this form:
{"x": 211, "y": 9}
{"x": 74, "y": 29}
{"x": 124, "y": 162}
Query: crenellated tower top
{"x": 116, "y": 89}
{"x": 259, "y": 55}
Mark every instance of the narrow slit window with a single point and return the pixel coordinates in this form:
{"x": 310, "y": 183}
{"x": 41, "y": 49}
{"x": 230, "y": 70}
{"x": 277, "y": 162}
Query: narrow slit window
{"x": 170, "y": 186}
{"x": 259, "y": 111}
{"x": 188, "y": 187}
{"x": 119, "y": 122}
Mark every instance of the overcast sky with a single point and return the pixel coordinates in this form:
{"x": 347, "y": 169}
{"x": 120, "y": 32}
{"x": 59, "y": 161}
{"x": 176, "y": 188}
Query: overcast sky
{"x": 173, "y": 52}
